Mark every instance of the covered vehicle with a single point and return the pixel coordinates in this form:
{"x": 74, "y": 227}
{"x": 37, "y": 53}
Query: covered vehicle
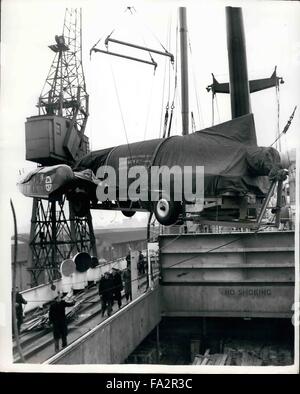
{"x": 235, "y": 170}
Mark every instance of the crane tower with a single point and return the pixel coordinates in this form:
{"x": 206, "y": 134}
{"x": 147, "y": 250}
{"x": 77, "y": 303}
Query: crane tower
{"x": 56, "y": 136}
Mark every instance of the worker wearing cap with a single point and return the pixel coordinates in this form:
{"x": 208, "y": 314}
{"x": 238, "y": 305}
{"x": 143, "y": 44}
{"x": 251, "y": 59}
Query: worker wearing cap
{"x": 117, "y": 286}
{"x": 141, "y": 264}
{"x": 128, "y": 260}
{"x": 57, "y": 317}
{"x": 106, "y": 293}
{"x": 127, "y": 284}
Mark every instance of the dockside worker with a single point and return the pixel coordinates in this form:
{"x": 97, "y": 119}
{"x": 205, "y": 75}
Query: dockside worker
{"x": 128, "y": 260}
{"x": 57, "y": 317}
{"x": 127, "y": 284}
{"x": 106, "y": 293}
{"x": 117, "y": 286}
{"x": 141, "y": 263}
{"x": 20, "y": 301}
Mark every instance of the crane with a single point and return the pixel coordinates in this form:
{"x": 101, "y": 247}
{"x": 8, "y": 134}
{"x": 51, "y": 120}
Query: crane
{"x": 53, "y": 137}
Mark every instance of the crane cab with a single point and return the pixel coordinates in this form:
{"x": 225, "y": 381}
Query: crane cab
{"x": 51, "y": 140}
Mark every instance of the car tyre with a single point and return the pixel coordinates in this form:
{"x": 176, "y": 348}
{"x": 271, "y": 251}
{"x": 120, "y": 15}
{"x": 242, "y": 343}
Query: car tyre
{"x": 166, "y": 211}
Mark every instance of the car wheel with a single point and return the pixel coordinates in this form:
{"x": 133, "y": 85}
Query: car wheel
{"x": 166, "y": 211}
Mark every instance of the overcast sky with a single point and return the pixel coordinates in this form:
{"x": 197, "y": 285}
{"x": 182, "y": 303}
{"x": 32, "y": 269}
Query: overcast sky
{"x": 272, "y": 32}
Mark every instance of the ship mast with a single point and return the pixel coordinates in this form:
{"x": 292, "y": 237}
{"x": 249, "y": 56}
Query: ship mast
{"x": 237, "y": 59}
{"x": 184, "y": 71}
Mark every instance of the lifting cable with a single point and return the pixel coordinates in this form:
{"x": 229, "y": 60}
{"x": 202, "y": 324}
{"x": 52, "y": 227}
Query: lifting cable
{"x": 166, "y": 118}
{"x": 152, "y": 81}
{"x": 171, "y": 119}
{"x": 115, "y": 84}
{"x": 193, "y": 122}
{"x": 131, "y": 9}
{"x": 214, "y": 104}
{"x": 200, "y": 115}
{"x": 286, "y": 127}
{"x": 162, "y": 101}
{"x": 113, "y": 30}
{"x": 166, "y": 121}
{"x": 238, "y": 238}
{"x": 187, "y": 259}
{"x": 212, "y": 109}
{"x": 149, "y": 106}
{"x": 217, "y": 106}
{"x": 217, "y": 247}
{"x": 152, "y": 62}
{"x": 120, "y": 108}
{"x": 135, "y": 20}
{"x": 278, "y": 116}
{"x": 153, "y": 34}
{"x": 212, "y": 249}
{"x": 170, "y": 62}
{"x": 175, "y": 84}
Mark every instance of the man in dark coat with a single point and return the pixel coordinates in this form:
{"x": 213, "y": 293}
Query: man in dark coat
{"x": 57, "y": 317}
{"x": 20, "y": 301}
{"x": 128, "y": 260}
{"x": 141, "y": 263}
{"x": 117, "y": 286}
{"x": 127, "y": 284}
{"x": 106, "y": 293}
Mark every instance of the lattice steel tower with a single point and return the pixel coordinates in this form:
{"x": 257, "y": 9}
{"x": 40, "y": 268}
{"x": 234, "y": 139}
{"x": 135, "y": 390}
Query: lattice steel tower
{"x": 56, "y": 136}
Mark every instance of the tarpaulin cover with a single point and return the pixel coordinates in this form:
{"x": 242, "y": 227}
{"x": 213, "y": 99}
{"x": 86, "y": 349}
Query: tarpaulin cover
{"x": 229, "y": 153}
{"x": 92, "y": 160}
